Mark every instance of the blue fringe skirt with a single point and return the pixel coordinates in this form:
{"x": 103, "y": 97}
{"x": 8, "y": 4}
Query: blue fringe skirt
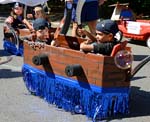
{"x": 76, "y": 96}
{"x": 11, "y": 48}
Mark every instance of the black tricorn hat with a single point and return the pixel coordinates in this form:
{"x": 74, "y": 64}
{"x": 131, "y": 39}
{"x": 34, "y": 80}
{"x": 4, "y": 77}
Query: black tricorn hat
{"x": 17, "y": 4}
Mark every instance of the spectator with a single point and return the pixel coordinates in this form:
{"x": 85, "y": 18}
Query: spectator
{"x": 89, "y": 14}
{"x": 127, "y": 14}
{"x": 105, "y": 41}
{"x": 122, "y": 11}
{"x": 39, "y": 13}
{"x": 16, "y": 18}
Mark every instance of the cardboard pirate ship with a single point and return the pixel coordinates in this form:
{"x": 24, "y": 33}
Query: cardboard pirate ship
{"x": 76, "y": 81}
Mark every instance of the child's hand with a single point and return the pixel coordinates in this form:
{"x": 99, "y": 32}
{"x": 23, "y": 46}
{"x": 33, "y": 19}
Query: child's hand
{"x": 88, "y": 41}
{"x": 9, "y": 20}
{"x": 29, "y": 16}
{"x": 81, "y": 32}
{"x": 54, "y": 43}
{"x": 101, "y": 2}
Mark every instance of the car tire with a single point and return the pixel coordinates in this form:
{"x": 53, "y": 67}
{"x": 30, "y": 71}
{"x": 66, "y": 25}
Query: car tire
{"x": 148, "y": 42}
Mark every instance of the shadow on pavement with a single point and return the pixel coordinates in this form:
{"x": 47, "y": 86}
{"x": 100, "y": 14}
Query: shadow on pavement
{"x": 139, "y": 104}
{"x": 8, "y": 73}
{"x": 4, "y": 53}
{"x": 138, "y": 42}
{"x": 139, "y": 57}
{"x": 137, "y": 78}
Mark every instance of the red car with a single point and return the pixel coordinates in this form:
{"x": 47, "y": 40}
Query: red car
{"x": 136, "y": 29}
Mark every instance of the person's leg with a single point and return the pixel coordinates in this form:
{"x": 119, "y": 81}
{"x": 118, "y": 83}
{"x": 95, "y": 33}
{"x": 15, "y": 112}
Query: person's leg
{"x": 74, "y": 21}
{"x": 92, "y": 26}
{"x": 74, "y": 28}
{"x": 90, "y": 16}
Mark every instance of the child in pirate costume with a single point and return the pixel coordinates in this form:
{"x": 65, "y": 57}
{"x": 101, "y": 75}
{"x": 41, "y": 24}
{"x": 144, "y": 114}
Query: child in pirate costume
{"x": 41, "y": 30}
{"x": 105, "y": 38}
{"x": 16, "y": 18}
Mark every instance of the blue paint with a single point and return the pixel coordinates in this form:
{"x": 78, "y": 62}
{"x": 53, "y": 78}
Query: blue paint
{"x": 68, "y": 94}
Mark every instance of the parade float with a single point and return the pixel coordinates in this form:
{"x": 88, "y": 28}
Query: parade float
{"x": 74, "y": 80}
{"x": 95, "y": 85}
{"x": 12, "y": 42}
{"x": 136, "y": 30}
{"x": 132, "y": 27}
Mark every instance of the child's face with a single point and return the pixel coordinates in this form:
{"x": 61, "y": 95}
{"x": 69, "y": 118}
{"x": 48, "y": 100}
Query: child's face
{"x": 102, "y": 37}
{"x": 18, "y": 10}
{"x": 43, "y": 34}
{"x": 38, "y": 14}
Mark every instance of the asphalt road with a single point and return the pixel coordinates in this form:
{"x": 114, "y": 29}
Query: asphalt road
{"x": 18, "y": 105}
